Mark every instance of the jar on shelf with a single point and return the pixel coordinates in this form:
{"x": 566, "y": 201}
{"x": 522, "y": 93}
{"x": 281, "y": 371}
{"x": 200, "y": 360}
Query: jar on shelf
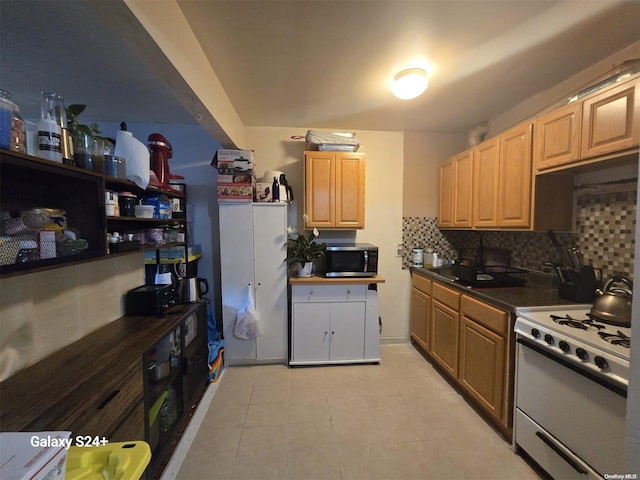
{"x": 13, "y": 135}
{"x": 168, "y": 414}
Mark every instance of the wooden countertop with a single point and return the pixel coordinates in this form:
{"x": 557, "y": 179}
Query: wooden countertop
{"x": 103, "y": 357}
{"x": 335, "y": 281}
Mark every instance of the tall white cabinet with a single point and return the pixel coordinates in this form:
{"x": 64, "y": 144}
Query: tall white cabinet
{"x": 252, "y": 251}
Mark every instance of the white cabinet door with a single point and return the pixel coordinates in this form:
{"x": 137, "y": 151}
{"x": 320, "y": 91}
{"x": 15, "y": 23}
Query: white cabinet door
{"x": 310, "y": 332}
{"x": 372, "y": 328}
{"x": 236, "y": 261}
{"x": 252, "y": 250}
{"x": 347, "y": 331}
{"x": 270, "y": 286}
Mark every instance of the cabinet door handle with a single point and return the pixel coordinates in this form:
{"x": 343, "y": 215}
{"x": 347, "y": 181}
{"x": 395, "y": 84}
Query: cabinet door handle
{"x": 106, "y": 401}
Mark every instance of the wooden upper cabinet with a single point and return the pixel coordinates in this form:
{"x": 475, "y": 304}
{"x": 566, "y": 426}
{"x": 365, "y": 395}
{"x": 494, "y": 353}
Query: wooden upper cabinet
{"x": 349, "y": 191}
{"x": 334, "y": 189}
{"x": 456, "y": 192}
{"x": 485, "y": 183}
{"x": 611, "y": 120}
{"x": 445, "y": 207}
{"x": 463, "y": 191}
{"x": 557, "y": 137}
{"x": 514, "y": 189}
{"x": 319, "y": 191}
{"x": 502, "y": 192}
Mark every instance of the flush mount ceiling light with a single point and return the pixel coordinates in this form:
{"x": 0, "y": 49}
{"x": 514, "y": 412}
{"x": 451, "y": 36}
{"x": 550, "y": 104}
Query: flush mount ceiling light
{"x": 409, "y": 83}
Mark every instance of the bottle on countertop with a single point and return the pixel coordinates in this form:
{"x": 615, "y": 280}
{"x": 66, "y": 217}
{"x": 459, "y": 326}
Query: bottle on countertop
{"x": 49, "y": 132}
{"x": 428, "y": 258}
{"x": 275, "y": 189}
{"x": 418, "y": 257}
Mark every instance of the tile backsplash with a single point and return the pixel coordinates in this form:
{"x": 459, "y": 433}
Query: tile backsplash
{"x": 605, "y": 233}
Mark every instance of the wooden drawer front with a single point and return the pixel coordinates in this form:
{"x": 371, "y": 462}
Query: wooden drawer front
{"x": 328, "y": 293}
{"x": 132, "y": 427}
{"x": 486, "y": 315}
{"x": 102, "y": 416}
{"x": 445, "y": 295}
{"x": 421, "y": 283}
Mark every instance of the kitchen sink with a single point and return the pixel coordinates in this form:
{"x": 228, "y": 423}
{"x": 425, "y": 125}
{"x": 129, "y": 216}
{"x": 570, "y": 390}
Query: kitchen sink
{"x": 489, "y": 276}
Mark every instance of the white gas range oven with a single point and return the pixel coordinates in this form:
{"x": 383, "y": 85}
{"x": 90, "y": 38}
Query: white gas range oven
{"x": 572, "y": 375}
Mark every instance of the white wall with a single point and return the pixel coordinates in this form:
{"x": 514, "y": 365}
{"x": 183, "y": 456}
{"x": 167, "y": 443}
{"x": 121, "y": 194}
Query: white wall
{"x": 45, "y": 311}
{"x": 275, "y": 150}
{"x": 423, "y": 154}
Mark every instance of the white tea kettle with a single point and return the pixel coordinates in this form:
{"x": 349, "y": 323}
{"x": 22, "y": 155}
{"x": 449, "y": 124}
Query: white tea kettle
{"x": 192, "y": 289}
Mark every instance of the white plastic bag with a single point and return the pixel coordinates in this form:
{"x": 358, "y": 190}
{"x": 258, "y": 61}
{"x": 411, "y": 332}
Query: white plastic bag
{"x": 247, "y": 324}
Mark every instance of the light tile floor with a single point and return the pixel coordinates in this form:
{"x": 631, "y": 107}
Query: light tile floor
{"x": 396, "y": 420}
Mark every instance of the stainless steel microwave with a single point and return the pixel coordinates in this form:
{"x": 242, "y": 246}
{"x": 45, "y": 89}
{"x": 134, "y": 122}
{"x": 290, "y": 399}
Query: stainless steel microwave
{"x": 351, "y": 260}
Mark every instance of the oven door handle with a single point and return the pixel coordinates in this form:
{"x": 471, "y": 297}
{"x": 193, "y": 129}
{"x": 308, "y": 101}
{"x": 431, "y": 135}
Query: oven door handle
{"x": 615, "y": 387}
{"x": 575, "y": 465}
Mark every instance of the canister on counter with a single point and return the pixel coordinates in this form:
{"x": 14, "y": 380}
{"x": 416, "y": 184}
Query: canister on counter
{"x": 418, "y": 257}
{"x": 111, "y": 206}
{"x": 127, "y": 202}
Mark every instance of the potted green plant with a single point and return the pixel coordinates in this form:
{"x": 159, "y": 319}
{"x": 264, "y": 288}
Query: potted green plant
{"x": 303, "y": 251}
{"x": 74, "y": 125}
{"x": 87, "y": 140}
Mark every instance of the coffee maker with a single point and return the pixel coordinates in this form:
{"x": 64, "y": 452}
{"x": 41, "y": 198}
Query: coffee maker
{"x": 160, "y": 152}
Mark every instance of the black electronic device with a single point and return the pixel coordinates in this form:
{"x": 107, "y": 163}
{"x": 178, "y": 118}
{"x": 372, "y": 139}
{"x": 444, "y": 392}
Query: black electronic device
{"x": 150, "y": 300}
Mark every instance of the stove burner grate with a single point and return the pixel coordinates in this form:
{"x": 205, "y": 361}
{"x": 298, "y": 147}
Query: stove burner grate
{"x": 618, "y": 338}
{"x": 584, "y": 324}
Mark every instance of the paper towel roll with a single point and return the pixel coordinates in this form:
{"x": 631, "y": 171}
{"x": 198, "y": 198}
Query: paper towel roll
{"x": 136, "y": 157}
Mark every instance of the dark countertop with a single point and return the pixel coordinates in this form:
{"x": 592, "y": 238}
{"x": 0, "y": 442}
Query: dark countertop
{"x": 506, "y": 298}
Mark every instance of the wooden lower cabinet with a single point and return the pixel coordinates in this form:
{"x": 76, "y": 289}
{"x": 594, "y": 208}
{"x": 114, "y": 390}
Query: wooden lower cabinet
{"x": 469, "y": 341}
{"x": 444, "y": 336}
{"x": 482, "y": 365}
{"x": 132, "y": 427}
{"x": 420, "y": 310}
{"x": 443, "y": 345}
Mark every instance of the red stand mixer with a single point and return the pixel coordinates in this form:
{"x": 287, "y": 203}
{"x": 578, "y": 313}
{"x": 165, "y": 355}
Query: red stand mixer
{"x": 160, "y": 152}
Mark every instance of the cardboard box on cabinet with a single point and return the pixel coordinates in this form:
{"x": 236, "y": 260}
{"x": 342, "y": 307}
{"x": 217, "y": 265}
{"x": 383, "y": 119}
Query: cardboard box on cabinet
{"x": 235, "y": 175}
{"x": 263, "y": 192}
{"x": 235, "y": 160}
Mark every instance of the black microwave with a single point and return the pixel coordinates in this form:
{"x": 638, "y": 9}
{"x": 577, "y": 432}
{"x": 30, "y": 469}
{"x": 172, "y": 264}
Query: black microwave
{"x": 351, "y": 260}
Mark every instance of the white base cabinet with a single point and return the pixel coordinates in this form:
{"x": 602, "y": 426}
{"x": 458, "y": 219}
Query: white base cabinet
{"x": 334, "y": 324}
{"x": 252, "y": 251}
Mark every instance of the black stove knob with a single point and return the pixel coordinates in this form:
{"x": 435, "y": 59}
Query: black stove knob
{"x": 549, "y": 339}
{"x": 535, "y": 333}
{"x": 601, "y": 362}
{"x": 564, "y": 346}
{"x": 582, "y": 354}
